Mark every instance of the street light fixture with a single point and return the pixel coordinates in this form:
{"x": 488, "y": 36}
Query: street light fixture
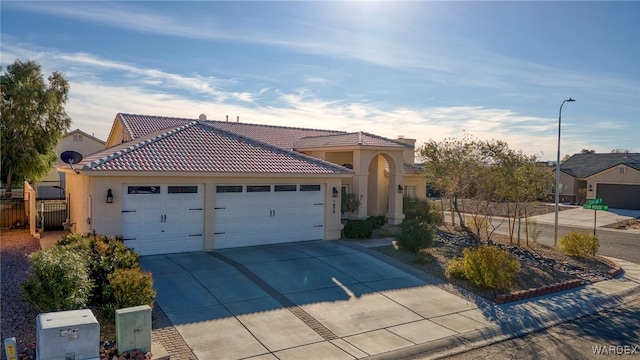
{"x": 557, "y": 190}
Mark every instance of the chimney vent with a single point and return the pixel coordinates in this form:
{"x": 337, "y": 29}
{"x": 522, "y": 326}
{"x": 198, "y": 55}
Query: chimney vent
{"x": 202, "y": 117}
{"x": 238, "y": 119}
{"x": 227, "y": 117}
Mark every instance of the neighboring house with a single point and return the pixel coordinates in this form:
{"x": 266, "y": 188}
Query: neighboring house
{"x": 173, "y": 185}
{"x": 613, "y": 177}
{"x": 52, "y": 186}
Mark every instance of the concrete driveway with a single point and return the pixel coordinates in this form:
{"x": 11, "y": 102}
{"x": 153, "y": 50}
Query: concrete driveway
{"x": 309, "y": 300}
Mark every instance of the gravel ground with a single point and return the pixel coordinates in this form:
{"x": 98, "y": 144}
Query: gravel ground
{"x": 17, "y": 319}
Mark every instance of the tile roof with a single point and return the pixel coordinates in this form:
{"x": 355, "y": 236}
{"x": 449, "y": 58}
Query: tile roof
{"x": 585, "y": 165}
{"x": 198, "y": 146}
{"x": 280, "y": 136}
{"x": 348, "y": 139}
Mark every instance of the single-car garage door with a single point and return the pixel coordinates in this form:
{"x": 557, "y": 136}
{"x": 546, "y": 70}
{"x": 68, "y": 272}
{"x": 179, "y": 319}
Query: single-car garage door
{"x": 248, "y": 215}
{"x": 619, "y": 196}
{"x": 161, "y": 219}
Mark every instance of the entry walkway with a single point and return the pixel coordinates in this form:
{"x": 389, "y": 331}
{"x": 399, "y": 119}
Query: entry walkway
{"x": 251, "y": 303}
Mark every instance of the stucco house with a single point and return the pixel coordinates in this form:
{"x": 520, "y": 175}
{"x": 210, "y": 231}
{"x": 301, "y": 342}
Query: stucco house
{"x": 53, "y": 184}
{"x": 615, "y": 178}
{"x": 168, "y": 184}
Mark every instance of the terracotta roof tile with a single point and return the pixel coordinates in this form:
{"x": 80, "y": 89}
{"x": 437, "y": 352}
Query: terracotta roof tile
{"x": 196, "y": 146}
{"x": 348, "y": 139}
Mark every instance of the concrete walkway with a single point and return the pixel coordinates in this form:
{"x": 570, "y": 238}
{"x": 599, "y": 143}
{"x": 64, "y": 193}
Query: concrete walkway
{"x": 341, "y": 300}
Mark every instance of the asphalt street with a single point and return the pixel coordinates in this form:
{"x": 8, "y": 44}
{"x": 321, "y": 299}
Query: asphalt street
{"x": 615, "y": 243}
{"x": 610, "y": 333}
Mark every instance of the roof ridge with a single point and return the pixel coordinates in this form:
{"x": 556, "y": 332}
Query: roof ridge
{"x": 277, "y": 126}
{"x": 127, "y": 147}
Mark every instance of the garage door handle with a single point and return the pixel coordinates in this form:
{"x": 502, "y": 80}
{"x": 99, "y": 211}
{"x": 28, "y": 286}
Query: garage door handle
{"x": 128, "y": 239}
{"x": 318, "y": 204}
{"x": 196, "y": 235}
{"x": 219, "y": 233}
{"x": 218, "y": 208}
{"x": 128, "y": 211}
{"x": 196, "y": 209}
{"x": 318, "y": 225}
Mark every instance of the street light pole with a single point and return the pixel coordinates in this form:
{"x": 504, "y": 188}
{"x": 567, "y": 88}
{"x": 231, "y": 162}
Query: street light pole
{"x": 557, "y": 190}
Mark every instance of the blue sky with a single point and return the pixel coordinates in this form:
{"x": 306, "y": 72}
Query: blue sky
{"x": 424, "y": 70}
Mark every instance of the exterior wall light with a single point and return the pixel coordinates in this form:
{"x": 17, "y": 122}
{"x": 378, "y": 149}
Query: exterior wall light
{"x": 400, "y": 189}
{"x": 590, "y": 187}
{"x": 109, "y": 196}
{"x": 335, "y": 192}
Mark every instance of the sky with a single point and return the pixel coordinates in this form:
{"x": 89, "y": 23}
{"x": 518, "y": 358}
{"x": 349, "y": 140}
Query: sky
{"x": 425, "y": 70}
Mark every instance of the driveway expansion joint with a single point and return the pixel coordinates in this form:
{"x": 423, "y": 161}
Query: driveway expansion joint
{"x": 297, "y": 311}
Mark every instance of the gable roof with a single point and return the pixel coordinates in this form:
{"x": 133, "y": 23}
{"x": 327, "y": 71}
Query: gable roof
{"x": 78, "y": 131}
{"x": 348, "y": 139}
{"x": 197, "y": 146}
{"x": 585, "y": 165}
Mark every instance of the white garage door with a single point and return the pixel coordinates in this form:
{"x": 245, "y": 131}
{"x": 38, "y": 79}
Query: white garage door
{"x": 161, "y": 219}
{"x": 248, "y": 215}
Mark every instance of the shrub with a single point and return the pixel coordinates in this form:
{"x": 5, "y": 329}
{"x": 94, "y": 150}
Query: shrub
{"x": 131, "y": 287}
{"x": 456, "y": 268}
{"x": 479, "y": 225}
{"x": 377, "y": 221}
{"x": 358, "y": 229}
{"x": 415, "y": 235}
{"x": 421, "y": 209}
{"x": 350, "y": 202}
{"x": 59, "y": 280}
{"x": 580, "y": 244}
{"x": 488, "y": 267}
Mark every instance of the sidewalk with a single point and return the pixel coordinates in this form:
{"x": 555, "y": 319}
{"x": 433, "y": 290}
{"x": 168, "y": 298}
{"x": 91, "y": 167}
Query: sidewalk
{"x": 515, "y": 319}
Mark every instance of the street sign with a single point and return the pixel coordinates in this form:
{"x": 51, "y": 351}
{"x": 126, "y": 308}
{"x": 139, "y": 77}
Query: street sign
{"x": 596, "y": 201}
{"x": 596, "y": 207}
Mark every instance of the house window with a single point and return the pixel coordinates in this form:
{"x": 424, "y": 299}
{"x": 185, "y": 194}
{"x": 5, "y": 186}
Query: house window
{"x": 229, "y": 189}
{"x": 285, "y": 188}
{"x": 258, "y": 188}
{"x": 309, "y": 187}
{"x": 143, "y": 190}
{"x": 183, "y": 189}
{"x": 621, "y": 170}
{"x": 410, "y": 191}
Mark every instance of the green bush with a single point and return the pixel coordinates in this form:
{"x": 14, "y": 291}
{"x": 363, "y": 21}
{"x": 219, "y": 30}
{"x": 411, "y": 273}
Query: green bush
{"x": 456, "y": 268}
{"x": 131, "y": 287}
{"x": 415, "y": 235}
{"x": 488, "y": 267}
{"x": 104, "y": 255}
{"x": 421, "y": 209}
{"x": 580, "y": 244}
{"x": 377, "y": 221}
{"x": 358, "y": 229}
{"x": 59, "y": 280}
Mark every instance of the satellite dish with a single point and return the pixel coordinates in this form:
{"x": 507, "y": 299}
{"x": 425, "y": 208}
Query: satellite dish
{"x": 71, "y": 157}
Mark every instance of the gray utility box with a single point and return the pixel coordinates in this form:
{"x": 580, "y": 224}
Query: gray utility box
{"x": 67, "y": 335}
{"x": 133, "y": 328}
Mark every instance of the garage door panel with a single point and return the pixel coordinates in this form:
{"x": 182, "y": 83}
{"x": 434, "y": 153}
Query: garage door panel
{"x": 620, "y": 196}
{"x": 162, "y": 222}
{"x": 257, "y": 218}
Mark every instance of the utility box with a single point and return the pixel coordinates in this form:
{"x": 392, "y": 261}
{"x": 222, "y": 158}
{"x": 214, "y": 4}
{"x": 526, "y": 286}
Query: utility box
{"x": 67, "y": 335}
{"x": 133, "y": 328}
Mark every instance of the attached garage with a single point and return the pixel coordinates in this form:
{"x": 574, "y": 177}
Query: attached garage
{"x": 248, "y": 215}
{"x": 158, "y": 219}
{"x": 619, "y": 196}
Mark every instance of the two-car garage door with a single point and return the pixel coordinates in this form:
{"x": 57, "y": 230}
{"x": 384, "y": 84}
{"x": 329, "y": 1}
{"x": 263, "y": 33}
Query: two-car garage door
{"x": 267, "y": 214}
{"x": 159, "y": 219}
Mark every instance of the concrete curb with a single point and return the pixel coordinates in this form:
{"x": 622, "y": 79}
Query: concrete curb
{"x": 496, "y": 333}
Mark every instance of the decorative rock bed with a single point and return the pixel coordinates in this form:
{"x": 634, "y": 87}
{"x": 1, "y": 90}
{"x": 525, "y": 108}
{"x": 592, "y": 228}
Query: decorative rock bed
{"x": 582, "y": 276}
